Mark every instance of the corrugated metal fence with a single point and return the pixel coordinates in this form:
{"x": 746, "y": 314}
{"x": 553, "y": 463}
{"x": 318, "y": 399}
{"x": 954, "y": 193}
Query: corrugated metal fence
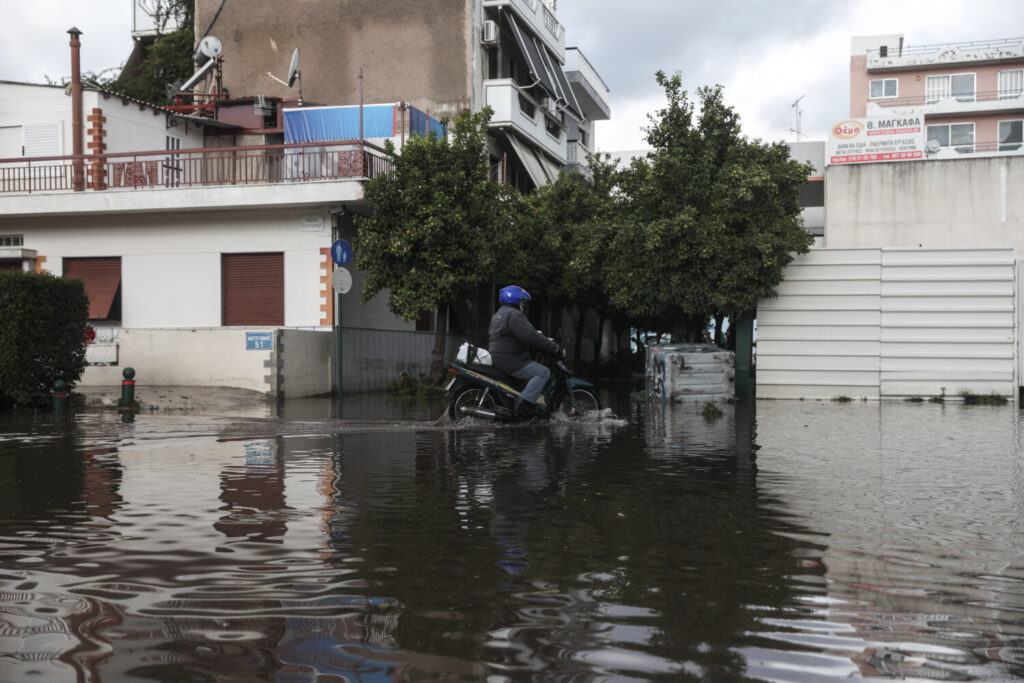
{"x": 880, "y": 323}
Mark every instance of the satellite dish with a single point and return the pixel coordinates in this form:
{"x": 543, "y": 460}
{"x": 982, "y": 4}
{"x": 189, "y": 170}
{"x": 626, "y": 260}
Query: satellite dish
{"x": 293, "y": 70}
{"x": 933, "y": 146}
{"x": 209, "y": 48}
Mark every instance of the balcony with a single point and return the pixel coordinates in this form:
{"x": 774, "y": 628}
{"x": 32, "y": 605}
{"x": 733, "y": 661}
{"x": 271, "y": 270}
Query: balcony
{"x": 944, "y": 54}
{"x": 208, "y": 177}
{"x": 590, "y": 90}
{"x": 514, "y": 108}
{"x": 540, "y": 17}
{"x": 979, "y": 103}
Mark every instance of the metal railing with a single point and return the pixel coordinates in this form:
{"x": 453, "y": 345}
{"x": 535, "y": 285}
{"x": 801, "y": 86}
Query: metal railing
{"x": 206, "y": 166}
{"x": 989, "y": 96}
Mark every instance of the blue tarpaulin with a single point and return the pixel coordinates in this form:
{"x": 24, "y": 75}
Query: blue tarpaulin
{"x": 321, "y": 124}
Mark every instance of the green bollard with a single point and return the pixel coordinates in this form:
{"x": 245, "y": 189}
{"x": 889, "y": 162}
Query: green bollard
{"x": 60, "y": 398}
{"x": 128, "y": 388}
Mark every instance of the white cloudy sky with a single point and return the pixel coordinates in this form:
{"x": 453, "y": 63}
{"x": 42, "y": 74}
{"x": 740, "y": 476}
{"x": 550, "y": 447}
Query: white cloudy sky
{"x": 766, "y": 53}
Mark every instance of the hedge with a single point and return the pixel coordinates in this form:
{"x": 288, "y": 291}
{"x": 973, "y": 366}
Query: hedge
{"x": 42, "y": 335}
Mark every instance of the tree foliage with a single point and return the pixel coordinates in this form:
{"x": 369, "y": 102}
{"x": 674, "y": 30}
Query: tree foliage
{"x": 437, "y": 222}
{"x": 168, "y": 59}
{"x": 714, "y": 217}
{"x": 42, "y": 338}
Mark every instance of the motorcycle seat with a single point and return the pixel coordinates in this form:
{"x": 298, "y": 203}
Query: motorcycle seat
{"x": 494, "y": 372}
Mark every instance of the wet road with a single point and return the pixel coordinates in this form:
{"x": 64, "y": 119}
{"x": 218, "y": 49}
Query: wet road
{"x": 791, "y": 540}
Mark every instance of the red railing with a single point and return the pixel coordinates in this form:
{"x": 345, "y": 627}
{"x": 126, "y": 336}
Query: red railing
{"x": 207, "y": 166}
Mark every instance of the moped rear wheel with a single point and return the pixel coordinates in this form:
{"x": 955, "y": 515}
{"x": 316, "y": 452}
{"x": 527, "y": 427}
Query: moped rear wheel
{"x": 585, "y": 400}
{"x": 469, "y": 396}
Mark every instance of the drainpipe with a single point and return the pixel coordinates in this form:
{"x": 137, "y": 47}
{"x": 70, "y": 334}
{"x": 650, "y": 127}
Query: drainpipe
{"x": 77, "y": 124}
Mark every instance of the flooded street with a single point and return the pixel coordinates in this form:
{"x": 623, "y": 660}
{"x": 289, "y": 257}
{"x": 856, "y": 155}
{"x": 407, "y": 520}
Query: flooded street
{"x": 785, "y": 541}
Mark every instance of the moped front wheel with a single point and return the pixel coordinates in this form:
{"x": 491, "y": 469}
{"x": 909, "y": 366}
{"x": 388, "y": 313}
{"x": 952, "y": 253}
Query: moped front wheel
{"x": 583, "y": 401}
{"x": 469, "y": 396}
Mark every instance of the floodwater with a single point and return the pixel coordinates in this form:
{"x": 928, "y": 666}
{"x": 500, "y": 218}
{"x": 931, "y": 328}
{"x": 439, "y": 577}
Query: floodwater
{"x": 785, "y": 541}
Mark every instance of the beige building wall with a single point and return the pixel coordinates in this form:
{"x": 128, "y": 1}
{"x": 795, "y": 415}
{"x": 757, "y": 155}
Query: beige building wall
{"x": 418, "y": 52}
{"x": 955, "y": 203}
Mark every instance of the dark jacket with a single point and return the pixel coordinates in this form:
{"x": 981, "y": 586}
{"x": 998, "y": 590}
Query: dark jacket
{"x": 512, "y": 336}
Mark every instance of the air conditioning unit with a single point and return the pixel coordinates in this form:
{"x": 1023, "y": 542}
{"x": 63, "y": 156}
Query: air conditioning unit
{"x": 490, "y": 32}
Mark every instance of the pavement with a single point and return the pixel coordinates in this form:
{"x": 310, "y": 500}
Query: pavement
{"x": 179, "y": 399}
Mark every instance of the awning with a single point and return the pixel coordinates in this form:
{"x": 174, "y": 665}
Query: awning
{"x": 528, "y": 46}
{"x": 101, "y": 277}
{"x": 564, "y": 94}
{"x": 550, "y": 168}
{"x": 530, "y": 162}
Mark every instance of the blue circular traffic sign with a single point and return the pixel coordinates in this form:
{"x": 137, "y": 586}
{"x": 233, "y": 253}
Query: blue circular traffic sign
{"x": 341, "y": 252}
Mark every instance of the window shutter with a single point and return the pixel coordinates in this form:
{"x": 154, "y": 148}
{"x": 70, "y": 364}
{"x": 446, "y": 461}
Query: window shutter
{"x": 43, "y": 139}
{"x": 102, "y": 279}
{"x": 253, "y": 289}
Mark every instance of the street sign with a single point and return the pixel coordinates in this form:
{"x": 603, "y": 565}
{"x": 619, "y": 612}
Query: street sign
{"x": 259, "y": 341}
{"x": 341, "y": 252}
{"x": 341, "y": 280}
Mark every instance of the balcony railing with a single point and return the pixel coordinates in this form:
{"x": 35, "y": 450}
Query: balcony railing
{"x": 1010, "y": 99}
{"x": 200, "y": 167}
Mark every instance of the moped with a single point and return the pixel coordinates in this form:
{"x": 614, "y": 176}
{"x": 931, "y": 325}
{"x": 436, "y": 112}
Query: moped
{"x": 483, "y": 391}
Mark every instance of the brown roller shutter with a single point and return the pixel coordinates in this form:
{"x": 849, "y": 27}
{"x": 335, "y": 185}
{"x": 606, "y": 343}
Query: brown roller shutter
{"x": 102, "y": 280}
{"x": 253, "y": 289}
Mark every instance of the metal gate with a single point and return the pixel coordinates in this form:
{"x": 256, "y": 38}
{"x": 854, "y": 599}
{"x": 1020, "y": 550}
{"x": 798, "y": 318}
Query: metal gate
{"x": 894, "y": 322}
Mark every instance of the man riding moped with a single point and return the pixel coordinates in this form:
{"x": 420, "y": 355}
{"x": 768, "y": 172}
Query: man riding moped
{"x": 511, "y": 339}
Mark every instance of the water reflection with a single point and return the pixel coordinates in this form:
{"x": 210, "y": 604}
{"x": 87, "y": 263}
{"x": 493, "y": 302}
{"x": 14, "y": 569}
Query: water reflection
{"x": 800, "y": 541}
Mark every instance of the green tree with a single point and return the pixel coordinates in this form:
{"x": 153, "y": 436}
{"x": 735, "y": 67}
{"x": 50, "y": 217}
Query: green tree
{"x": 42, "y": 338}
{"x": 435, "y": 227}
{"x": 168, "y": 59}
{"x": 565, "y": 242}
{"x": 714, "y": 217}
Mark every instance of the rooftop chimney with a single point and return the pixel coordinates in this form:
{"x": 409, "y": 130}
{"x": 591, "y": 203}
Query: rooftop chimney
{"x": 77, "y": 121}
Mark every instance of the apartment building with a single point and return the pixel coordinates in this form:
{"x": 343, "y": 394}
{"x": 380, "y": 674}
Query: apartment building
{"x": 971, "y": 94}
{"x": 438, "y": 56}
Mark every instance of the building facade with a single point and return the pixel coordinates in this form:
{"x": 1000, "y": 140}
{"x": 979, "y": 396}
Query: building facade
{"x": 971, "y": 94}
{"x": 203, "y": 233}
{"x": 438, "y": 56}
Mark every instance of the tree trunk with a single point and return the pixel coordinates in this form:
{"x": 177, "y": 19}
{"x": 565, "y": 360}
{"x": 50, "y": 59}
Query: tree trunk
{"x": 578, "y": 316}
{"x": 467, "y": 320}
{"x": 719, "y": 337}
{"x": 440, "y": 338}
{"x": 599, "y": 337}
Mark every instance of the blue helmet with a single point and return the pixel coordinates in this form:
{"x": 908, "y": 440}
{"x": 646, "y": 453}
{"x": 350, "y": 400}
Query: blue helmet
{"x": 513, "y": 295}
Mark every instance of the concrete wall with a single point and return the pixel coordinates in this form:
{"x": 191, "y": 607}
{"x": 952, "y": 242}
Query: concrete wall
{"x": 129, "y": 127}
{"x": 304, "y": 359}
{"x": 413, "y": 51}
{"x": 194, "y": 357}
{"x": 957, "y": 203}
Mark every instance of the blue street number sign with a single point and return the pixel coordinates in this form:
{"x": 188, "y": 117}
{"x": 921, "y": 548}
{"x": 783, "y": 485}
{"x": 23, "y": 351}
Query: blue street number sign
{"x": 259, "y": 341}
{"x": 341, "y": 252}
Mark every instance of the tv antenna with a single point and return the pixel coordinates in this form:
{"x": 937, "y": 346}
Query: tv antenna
{"x": 293, "y": 74}
{"x": 797, "y": 112}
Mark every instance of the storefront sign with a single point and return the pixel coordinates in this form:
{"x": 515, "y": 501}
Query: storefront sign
{"x": 879, "y": 138}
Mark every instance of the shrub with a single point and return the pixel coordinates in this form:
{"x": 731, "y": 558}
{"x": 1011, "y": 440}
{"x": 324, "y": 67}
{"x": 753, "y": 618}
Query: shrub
{"x": 42, "y": 337}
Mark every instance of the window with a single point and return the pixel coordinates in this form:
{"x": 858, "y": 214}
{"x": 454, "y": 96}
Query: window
{"x": 102, "y": 280}
{"x": 957, "y": 86}
{"x": 252, "y": 289}
{"x": 1011, "y": 83}
{"x": 960, "y": 136}
{"x": 884, "y": 87}
{"x": 12, "y": 240}
{"x": 172, "y": 167}
{"x": 1011, "y": 135}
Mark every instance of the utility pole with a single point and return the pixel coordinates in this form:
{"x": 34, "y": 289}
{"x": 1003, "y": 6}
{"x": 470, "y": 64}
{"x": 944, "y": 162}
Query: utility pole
{"x": 796, "y": 110}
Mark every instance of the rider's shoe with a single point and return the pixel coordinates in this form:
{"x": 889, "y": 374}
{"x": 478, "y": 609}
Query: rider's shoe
{"x": 528, "y": 410}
